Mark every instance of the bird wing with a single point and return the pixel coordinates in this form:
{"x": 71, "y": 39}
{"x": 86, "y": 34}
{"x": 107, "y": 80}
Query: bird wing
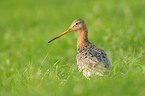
{"x": 93, "y": 59}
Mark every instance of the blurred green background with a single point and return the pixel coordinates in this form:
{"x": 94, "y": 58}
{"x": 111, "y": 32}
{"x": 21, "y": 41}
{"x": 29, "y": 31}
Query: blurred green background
{"x": 30, "y": 66}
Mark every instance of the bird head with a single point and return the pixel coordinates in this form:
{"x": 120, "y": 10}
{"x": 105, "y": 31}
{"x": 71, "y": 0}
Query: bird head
{"x": 76, "y": 25}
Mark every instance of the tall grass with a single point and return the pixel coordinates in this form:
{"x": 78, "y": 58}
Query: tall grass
{"x": 30, "y": 66}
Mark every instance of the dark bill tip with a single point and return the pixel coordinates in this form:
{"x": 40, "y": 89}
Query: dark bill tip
{"x": 52, "y": 39}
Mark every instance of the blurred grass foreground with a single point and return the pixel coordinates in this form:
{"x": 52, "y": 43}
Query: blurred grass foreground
{"x": 30, "y": 66}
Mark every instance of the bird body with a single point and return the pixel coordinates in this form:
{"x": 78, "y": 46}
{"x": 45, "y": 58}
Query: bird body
{"x": 90, "y": 59}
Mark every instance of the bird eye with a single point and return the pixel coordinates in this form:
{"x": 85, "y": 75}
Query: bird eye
{"x": 77, "y": 23}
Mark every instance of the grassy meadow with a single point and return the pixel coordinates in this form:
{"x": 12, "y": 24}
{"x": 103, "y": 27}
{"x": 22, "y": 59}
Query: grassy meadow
{"x": 29, "y": 66}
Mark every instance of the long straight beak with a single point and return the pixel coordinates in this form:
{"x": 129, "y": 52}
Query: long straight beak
{"x": 68, "y": 30}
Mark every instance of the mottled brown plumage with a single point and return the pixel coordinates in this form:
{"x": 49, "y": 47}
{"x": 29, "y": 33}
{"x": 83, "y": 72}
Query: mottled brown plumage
{"x": 90, "y": 59}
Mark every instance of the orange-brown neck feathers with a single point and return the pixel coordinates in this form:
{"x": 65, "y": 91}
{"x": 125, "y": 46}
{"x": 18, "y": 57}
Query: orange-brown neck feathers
{"x": 82, "y": 37}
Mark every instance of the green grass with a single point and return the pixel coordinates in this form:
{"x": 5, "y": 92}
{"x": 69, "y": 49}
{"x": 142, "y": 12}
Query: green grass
{"x": 30, "y": 66}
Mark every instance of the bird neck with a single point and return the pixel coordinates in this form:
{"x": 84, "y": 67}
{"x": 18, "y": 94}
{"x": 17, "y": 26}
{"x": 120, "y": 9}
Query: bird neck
{"x": 82, "y": 39}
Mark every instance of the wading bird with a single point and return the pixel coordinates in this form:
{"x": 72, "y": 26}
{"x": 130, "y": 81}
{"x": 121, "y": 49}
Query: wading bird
{"x": 90, "y": 59}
